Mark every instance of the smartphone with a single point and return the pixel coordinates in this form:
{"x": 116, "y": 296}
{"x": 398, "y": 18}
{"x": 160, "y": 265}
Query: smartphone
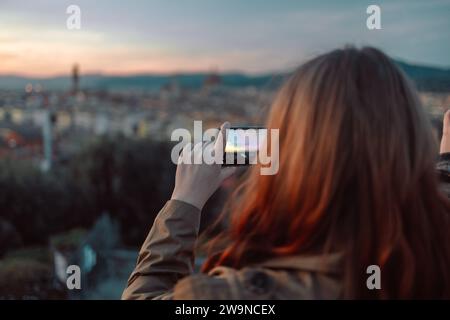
{"x": 243, "y": 145}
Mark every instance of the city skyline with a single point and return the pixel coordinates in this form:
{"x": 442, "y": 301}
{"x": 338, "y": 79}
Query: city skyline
{"x": 178, "y": 37}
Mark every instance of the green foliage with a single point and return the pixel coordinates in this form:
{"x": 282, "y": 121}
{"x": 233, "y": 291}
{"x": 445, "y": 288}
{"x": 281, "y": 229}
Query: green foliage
{"x": 126, "y": 178}
{"x": 9, "y": 237}
{"x": 67, "y": 241}
{"x": 39, "y": 204}
{"x": 130, "y": 179}
{"x": 27, "y": 278}
{"x": 38, "y": 254}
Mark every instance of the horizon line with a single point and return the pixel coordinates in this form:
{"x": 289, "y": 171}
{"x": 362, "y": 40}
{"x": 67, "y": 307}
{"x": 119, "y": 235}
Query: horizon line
{"x": 189, "y": 72}
{"x": 143, "y": 73}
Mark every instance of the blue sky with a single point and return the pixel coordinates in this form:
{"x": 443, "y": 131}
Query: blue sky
{"x": 138, "y": 36}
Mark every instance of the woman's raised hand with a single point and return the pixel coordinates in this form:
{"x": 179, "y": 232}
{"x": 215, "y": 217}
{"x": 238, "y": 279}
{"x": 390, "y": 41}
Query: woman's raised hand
{"x": 445, "y": 142}
{"x": 195, "y": 183}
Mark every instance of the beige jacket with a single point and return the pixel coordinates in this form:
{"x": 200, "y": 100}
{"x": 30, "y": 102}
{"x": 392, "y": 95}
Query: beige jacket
{"x": 164, "y": 268}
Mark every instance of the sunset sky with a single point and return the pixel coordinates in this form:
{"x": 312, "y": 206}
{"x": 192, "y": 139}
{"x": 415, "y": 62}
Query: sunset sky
{"x": 254, "y": 36}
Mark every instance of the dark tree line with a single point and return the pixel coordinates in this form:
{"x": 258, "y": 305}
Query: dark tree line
{"x": 126, "y": 178}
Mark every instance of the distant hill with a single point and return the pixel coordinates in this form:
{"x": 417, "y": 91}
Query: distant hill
{"x": 139, "y": 82}
{"x": 426, "y": 78}
{"x": 191, "y": 81}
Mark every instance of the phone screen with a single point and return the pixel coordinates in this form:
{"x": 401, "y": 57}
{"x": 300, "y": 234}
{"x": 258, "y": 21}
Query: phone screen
{"x": 243, "y": 145}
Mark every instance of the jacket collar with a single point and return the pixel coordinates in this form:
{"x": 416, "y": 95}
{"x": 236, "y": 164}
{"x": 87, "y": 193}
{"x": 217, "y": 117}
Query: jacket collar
{"x": 327, "y": 263}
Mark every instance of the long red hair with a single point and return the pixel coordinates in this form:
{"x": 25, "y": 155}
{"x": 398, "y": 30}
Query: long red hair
{"x": 356, "y": 175}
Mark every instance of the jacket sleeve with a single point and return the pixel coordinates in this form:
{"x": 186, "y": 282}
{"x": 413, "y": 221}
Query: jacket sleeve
{"x": 167, "y": 254}
{"x": 443, "y": 167}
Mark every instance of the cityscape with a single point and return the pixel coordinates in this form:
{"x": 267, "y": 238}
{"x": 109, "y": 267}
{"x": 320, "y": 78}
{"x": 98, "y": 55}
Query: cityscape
{"x": 75, "y": 114}
{"x": 47, "y": 131}
{"x": 69, "y": 136}
{"x": 86, "y": 114}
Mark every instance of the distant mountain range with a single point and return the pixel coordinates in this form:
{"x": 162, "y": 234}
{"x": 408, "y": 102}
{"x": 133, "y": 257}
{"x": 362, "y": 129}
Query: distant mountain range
{"x": 426, "y": 78}
{"x": 140, "y": 82}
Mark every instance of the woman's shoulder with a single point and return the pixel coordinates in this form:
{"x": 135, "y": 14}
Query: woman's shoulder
{"x": 266, "y": 281}
{"x": 227, "y": 283}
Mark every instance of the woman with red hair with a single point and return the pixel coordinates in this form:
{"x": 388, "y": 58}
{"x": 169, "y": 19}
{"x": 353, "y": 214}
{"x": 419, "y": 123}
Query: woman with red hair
{"x": 357, "y": 186}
